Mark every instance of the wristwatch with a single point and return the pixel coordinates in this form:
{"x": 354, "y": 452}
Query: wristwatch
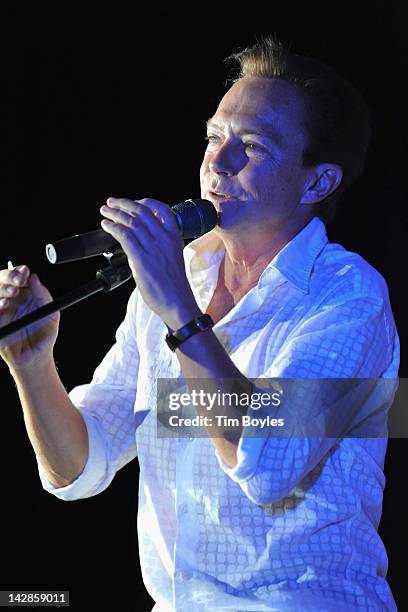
{"x": 201, "y": 323}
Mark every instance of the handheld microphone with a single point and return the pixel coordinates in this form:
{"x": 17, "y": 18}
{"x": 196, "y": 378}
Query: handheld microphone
{"x": 194, "y": 219}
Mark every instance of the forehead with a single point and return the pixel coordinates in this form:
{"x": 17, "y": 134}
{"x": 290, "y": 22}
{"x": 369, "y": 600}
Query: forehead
{"x": 258, "y": 101}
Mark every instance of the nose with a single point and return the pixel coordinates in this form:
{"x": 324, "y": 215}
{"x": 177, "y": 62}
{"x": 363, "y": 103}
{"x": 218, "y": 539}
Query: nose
{"x": 226, "y": 159}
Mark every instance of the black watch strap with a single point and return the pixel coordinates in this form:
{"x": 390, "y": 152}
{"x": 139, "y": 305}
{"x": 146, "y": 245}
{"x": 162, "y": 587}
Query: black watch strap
{"x": 199, "y": 324}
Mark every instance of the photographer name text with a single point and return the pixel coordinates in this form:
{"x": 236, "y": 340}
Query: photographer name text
{"x": 223, "y": 421}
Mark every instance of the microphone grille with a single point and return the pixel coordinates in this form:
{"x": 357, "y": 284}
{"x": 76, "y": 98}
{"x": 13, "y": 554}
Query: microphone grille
{"x": 196, "y": 216}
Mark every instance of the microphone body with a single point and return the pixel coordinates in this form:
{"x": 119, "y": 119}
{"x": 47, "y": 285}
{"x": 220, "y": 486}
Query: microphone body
{"x": 194, "y": 218}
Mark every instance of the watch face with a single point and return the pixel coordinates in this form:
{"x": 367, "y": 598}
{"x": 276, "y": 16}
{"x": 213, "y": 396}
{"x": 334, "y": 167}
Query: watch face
{"x": 204, "y": 322}
{"x": 172, "y": 343}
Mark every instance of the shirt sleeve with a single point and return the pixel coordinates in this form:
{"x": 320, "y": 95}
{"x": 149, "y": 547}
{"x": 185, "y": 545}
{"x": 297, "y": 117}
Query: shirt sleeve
{"x": 347, "y": 337}
{"x": 107, "y": 407}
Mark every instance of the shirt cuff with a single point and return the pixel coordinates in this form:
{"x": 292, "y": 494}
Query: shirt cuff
{"x": 249, "y": 451}
{"x": 89, "y": 481}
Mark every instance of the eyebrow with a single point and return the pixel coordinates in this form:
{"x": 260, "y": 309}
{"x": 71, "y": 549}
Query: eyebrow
{"x": 266, "y": 130}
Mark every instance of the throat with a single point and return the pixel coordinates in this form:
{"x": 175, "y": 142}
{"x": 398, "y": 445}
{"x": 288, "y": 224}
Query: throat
{"x": 228, "y": 294}
{"x": 220, "y": 304}
{"x": 225, "y": 298}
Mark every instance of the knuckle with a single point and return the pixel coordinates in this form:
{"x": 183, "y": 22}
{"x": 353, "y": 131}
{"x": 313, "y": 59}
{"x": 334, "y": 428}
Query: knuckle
{"x": 123, "y": 230}
{"x": 133, "y": 222}
{"x": 150, "y": 204}
{"x": 17, "y": 278}
{"x": 9, "y": 290}
{"x": 144, "y": 216}
{"x": 5, "y": 276}
{"x": 125, "y": 202}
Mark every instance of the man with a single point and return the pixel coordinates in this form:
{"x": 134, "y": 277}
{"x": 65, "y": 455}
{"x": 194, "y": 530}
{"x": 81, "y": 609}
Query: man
{"x": 237, "y": 522}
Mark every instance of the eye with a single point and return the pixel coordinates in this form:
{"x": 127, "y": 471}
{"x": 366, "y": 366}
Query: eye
{"x": 211, "y": 138}
{"x": 255, "y": 149}
{"x": 254, "y": 146}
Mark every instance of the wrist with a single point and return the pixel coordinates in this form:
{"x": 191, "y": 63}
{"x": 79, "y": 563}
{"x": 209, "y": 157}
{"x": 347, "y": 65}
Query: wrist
{"x": 181, "y": 316}
{"x": 37, "y": 369}
{"x": 177, "y": 337}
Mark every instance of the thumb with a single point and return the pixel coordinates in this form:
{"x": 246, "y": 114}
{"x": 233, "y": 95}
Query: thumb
{"x": 39, "y": 291}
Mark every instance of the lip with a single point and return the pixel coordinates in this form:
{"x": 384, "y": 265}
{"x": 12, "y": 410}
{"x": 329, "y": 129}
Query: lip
{"x": 220, "y": 197}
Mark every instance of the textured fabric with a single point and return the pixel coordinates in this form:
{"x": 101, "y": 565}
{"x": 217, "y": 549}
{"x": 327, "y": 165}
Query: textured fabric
{"x": 294, "y": 525}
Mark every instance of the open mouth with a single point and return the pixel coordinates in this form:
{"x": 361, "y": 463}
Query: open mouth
{"x": 219, "y": 197}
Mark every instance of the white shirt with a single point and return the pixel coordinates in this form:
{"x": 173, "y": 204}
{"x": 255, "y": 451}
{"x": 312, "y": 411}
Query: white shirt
{"x": 294, "y": 525}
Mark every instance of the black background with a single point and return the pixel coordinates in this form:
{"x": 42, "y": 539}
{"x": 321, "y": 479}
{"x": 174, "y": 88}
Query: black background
{"x": 116, "y": 105}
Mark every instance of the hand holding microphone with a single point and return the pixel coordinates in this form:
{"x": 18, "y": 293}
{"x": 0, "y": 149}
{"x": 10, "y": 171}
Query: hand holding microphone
{"x": 147, "y": 226}
{"x": 150, "y": 234}
{"x": 194, "y": 218}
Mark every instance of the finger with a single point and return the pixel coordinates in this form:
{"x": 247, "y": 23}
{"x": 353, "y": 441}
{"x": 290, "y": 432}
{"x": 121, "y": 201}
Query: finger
{"x": 162, "y": 212}
{"x": 137, "y": 220}
{"x": 140, "y": 219}
{"x": 132, "y": 207}
{"x": 12, "y": 303}
{"x": 38, "y": 290}
{"x": 125, "y": 204}
{"x": 7, "y": 291}
{"x": 17, "y": 277}
{"x": 159, "y": 210}
{"x": 121, "y": 203}
{"x": 130, "y": 240}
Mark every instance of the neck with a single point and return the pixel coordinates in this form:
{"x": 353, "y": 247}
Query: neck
{"x": 247, "y": 254}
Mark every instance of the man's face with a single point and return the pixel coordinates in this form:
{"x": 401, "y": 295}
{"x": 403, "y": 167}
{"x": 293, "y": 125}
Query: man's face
{"x": 252, "y": 168}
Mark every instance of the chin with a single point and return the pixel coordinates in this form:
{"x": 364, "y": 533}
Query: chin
{"x": 228, "y": 223}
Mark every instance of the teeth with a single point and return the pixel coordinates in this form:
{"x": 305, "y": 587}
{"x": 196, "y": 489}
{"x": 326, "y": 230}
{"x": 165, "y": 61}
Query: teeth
{"x": 222, "y": 195}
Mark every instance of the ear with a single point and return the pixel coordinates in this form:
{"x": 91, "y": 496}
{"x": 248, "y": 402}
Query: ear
{"x": 324, "y": 179}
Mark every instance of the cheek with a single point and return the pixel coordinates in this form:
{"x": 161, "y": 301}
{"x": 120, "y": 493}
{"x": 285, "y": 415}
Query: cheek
{"x": 258, "y": 181}
{"x": 203, "y": 171}
{"x": 275, "y": 180}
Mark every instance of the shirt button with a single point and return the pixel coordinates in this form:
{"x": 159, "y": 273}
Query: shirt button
{"x": 183, "y": 509}
{"x": 185, "y": 576}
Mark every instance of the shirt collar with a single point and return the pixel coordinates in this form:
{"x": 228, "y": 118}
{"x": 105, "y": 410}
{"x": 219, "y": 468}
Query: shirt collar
{"x": 294, "y": 261}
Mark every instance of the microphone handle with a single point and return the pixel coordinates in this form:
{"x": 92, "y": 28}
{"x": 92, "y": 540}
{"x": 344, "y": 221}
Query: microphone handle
{"x": 194, "y": 218}
{"x": 81, "y": 246}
